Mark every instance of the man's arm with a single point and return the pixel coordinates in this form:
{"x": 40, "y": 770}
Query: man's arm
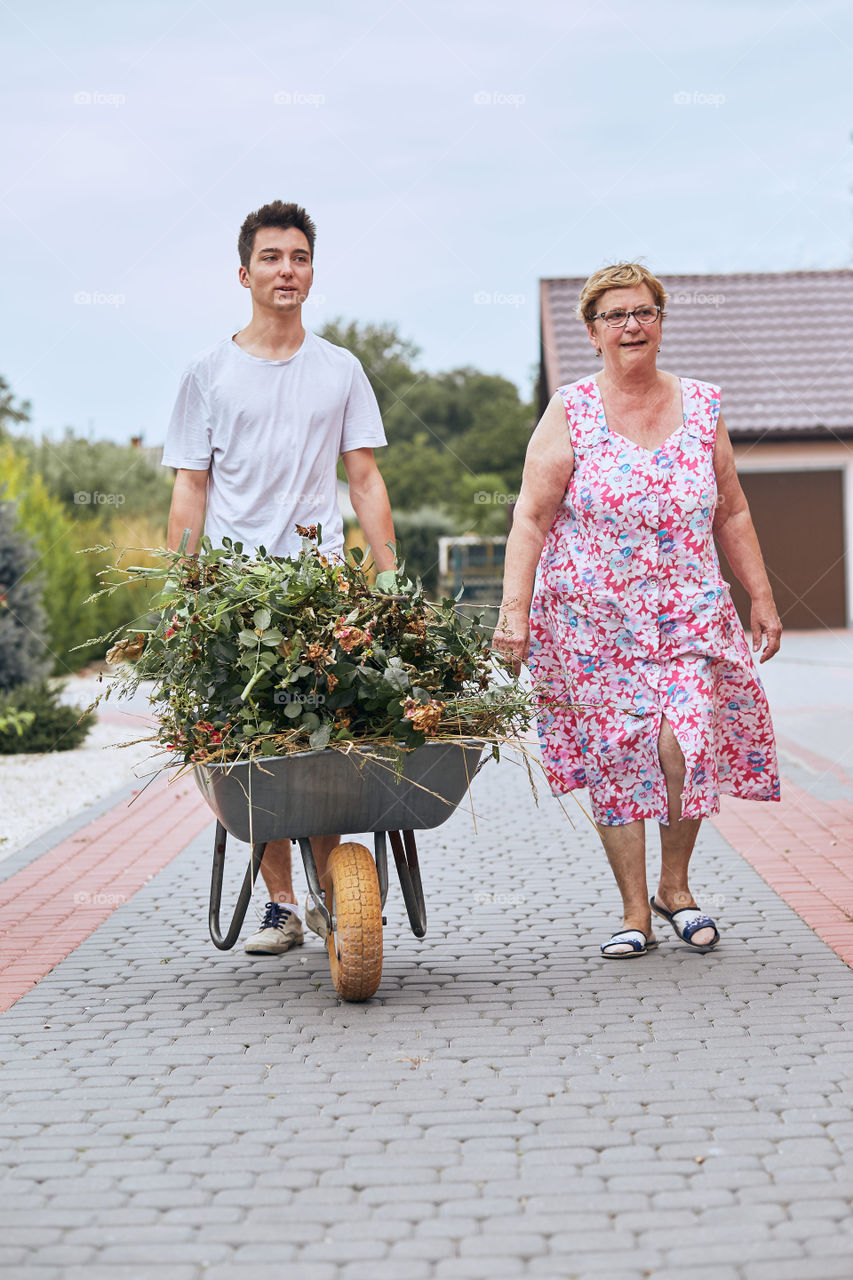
{"x": 369, "y": 498}
{"x": 189, "y": 498}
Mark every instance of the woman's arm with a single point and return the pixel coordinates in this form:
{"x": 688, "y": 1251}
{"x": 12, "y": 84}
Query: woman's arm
{"x": 736, "y": 535}
{"x": 548, "y": 468}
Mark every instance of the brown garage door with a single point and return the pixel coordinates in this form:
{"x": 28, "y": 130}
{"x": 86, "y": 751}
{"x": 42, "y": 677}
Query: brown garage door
{"x": 799, "y": 518}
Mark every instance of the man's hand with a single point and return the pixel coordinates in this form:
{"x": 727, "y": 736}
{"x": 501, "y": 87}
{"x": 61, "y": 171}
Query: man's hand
{"x": 389, "y": 583}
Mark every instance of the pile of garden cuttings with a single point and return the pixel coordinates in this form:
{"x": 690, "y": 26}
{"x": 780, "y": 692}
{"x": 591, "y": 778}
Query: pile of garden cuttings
{"x": 259, "y": 656}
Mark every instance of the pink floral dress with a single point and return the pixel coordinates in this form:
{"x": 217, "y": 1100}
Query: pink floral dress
{"x": 631, "y": 621}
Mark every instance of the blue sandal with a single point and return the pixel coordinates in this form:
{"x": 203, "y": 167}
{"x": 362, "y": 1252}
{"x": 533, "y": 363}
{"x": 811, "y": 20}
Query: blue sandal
{"x": 635, "y": 938}
{"x": 692, "y": 920}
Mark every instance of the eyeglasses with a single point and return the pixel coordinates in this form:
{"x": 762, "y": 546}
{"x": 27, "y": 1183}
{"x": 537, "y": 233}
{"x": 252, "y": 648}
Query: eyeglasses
{"x": 619, "y": 317}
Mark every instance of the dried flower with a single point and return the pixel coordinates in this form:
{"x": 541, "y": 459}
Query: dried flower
{"x": 425, "y": 717}
{"x": 126, "y": 650}
{"x": 349, "y": 638}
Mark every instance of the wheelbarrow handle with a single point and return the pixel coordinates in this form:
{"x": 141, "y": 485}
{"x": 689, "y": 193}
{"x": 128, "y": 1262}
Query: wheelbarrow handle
{"x": 249, "y": 879}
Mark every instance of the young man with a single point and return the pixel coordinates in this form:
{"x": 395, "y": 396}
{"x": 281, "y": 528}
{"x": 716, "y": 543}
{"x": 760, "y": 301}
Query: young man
{"x": 260, "y": 421}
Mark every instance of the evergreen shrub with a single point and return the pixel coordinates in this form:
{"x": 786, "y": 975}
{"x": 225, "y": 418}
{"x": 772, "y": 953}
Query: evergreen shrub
{"x": 36, "y": 721}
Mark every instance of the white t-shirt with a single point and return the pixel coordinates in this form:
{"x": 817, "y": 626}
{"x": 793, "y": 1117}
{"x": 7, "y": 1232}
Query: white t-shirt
{"x": 271, "y": 433}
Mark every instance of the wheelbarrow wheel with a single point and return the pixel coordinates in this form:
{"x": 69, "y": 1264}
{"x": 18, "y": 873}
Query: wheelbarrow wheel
{"x": 354, "y": 901}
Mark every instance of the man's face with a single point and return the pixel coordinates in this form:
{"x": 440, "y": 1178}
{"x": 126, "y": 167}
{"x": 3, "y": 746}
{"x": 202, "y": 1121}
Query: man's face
{"x": 280, "y": 273}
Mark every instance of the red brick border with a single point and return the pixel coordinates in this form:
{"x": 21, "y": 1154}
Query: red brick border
{"x": 50, "y": 907}
{"x": 803, "y": 848}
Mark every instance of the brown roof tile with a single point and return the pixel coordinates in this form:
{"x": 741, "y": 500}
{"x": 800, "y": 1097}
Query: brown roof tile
{"x": 779, "y": 344}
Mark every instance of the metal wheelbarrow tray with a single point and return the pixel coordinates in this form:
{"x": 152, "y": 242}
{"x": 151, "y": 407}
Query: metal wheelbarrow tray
{"x": 380, "y": 789}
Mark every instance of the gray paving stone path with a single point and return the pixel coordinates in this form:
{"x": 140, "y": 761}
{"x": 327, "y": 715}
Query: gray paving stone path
{"x": 508, "y": 1105}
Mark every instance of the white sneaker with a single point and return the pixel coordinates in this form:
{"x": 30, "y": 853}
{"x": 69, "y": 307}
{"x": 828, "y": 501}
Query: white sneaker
{"x": 280, "y": 930}
{"x": 314, "y": 918}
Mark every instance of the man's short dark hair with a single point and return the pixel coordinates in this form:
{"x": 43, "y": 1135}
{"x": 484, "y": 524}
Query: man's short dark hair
{"x": 277, "y": 214}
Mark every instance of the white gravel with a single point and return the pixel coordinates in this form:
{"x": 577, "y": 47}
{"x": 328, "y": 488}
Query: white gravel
{"x": 38, "y": 792}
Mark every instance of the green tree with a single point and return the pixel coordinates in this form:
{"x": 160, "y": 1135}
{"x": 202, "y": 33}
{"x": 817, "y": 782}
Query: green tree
{"x": 9, "y": 411}
{"x": 450, "y": 434}
{"x": 388, "y": 359}
{"x": 482, "y": 504}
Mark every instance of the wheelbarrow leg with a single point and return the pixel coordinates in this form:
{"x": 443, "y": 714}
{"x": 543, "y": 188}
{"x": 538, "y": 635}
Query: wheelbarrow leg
{"x": 314, "y": 881}
{"x": 380, "y": 857}
{"x": 406, "y": 858}
{"x": 226, "y": 943}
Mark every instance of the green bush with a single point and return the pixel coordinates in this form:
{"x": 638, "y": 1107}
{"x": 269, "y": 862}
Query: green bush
{"x": 131, "y": 607}
{"x": 36, "y": 721}
{"x": 24, "y": 652}
{"x": 59, "y": 535}
{"x": 94, "y": 478}
{"x": 15, "y": 721}
{"x": 65, "y": 577}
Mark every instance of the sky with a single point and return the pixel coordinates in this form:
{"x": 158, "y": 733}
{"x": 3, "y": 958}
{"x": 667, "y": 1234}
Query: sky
{"x": 451, "y": 155}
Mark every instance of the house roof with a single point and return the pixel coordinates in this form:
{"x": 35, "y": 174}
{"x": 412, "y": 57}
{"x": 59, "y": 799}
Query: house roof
{"x": 780, "y": 345}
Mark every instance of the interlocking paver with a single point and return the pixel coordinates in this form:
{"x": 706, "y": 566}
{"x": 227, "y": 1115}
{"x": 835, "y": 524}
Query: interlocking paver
{"x": 508, "y": 1105}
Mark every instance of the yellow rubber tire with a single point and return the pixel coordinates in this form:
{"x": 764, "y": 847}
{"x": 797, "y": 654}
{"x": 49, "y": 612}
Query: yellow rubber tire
{"x": 354, "y": 902}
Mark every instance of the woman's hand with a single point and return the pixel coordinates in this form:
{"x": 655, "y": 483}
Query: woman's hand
{"x": 512, "y": 638}
{"x": 766, "y": 628}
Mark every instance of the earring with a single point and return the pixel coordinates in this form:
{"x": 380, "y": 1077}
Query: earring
{"x": 598, "y": 352}
{"x": 658, "y": 348}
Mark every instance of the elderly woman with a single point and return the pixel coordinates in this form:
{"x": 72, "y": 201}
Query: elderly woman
{"x": 648, "y": 693}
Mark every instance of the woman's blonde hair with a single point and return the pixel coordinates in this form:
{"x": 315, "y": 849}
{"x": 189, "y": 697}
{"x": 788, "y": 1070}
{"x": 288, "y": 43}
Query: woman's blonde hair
{"x": 622, "y": 275}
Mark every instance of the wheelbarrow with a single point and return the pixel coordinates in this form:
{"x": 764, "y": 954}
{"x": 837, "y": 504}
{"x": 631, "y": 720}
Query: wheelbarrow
{"x": 321, "y": 793}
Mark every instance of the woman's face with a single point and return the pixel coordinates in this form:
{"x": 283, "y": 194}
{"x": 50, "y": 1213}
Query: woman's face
{"x": 632, "y": 343}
